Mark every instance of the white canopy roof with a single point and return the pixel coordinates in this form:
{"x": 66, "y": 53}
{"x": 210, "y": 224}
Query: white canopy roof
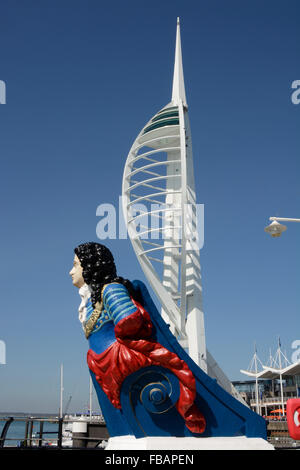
{"x": 272, "y": 373}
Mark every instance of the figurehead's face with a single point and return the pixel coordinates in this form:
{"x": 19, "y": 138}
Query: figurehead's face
{"x": 76, "y": 273}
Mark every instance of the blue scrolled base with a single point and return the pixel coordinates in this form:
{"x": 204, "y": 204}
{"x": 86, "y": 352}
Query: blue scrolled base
{"x": 148, "y": 397}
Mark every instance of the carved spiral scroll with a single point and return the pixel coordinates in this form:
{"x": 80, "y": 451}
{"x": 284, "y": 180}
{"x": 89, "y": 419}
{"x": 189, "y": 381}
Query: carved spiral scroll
{"x": 157, "y": 390}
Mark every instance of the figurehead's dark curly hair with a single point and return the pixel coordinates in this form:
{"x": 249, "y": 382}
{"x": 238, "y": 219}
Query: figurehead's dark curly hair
{"x": 99, "y": 269}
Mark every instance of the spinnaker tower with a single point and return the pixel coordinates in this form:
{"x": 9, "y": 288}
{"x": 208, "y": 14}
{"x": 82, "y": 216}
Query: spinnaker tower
{"x": 165, "y": 223}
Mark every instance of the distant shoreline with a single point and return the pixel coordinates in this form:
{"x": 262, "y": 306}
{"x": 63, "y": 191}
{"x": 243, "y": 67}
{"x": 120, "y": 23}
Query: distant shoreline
{"x": 26, "y": 414}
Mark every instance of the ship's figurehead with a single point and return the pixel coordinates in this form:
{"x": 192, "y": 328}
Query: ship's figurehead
{"x": 122, "y": 342}
{"x": 146, "y": 384}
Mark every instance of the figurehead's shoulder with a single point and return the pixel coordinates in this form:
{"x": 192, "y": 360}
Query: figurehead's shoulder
{"x": 113, "y": 288}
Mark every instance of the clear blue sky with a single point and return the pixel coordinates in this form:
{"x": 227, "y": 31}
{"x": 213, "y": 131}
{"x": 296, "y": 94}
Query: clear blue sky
{"x": 83, "y": 77}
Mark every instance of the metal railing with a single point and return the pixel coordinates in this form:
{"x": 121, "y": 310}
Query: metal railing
{"x": 270, "y": 400}
{"x": 30, "y": 438}
{"x": 281, "y": 442}
{"x": 41, "y": 437}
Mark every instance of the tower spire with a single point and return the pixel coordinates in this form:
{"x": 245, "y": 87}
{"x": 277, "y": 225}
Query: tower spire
{"x": 178, "y": 91}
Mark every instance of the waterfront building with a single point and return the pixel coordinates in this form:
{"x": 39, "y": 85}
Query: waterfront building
{"x": 271, "y": 387}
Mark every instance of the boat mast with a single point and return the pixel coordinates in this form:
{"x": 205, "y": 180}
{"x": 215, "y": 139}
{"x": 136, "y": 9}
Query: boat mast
{"x": 61, "y": 391}
{"x": 91, "y": 396}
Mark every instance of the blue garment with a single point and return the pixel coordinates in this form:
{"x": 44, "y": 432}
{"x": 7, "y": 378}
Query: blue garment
{"x": 117, "y": 305}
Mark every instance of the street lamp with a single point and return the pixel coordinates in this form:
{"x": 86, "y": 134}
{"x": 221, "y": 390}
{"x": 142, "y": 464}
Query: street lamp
{"x": 275, "y": 229}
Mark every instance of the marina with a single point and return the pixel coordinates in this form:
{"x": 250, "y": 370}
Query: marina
{"x": 67, "y": 432}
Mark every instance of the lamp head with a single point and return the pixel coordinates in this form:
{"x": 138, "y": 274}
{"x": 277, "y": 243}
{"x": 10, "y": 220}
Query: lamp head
{"x": 275, "y": 229}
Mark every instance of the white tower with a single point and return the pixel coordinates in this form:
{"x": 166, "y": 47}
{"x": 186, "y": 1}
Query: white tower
{"x": 160, "y": 211}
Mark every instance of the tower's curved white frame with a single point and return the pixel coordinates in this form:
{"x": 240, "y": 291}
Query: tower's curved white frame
{"x": 158, "y": 185}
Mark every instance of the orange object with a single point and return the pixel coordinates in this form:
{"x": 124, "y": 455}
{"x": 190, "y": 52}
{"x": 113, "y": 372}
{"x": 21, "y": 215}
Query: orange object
{"x": 293, "y": 417}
